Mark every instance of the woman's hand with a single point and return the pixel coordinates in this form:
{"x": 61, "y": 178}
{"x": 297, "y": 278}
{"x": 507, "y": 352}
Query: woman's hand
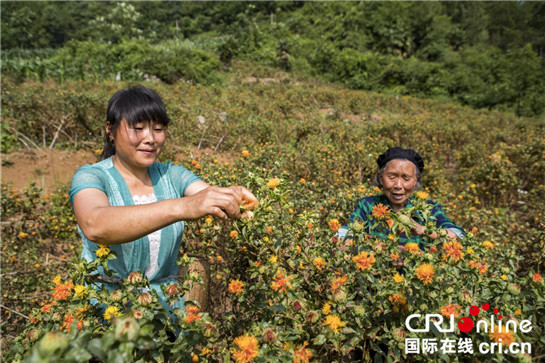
{"x": 420, "y": 230}
{"x": 223, "y": 203}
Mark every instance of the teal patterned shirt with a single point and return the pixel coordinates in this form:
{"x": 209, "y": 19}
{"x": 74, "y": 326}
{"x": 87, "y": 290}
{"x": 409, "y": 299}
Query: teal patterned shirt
{"x": 169, "y": 181}
{"x": 363, "y": 213}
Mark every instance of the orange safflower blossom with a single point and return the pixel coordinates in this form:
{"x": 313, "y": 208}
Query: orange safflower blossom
{"x": 537, "y": 278}
{"x": 380, "y": 211}
{"x": 63, "y": 291}
{"x": 453, "y": 251}
{"x": 364, "y": 260}
{"x": 302, "y": 354}
{"x": 338, "y": 283}
{"x": 67, "y": 324}
{"x": 451, "y": 309}
{"x": 319, "y": 263}
{"x": 248, "y": 348}
{"x": 334, "y": 225}
{"x": 425, "y": 273}
{"x": 80, "y": 312}
{"x": 412, "y": 247}
{"x": 281, "y": 282}
{"x": 500, "y": 332}
{"x": 46, "y": 309}
{"x": 236, "y": 287}
{"x": 422, "y": 194}
{"x": 399, "y": 302}
{"x": 193, "y": 314}
{"x": 489, "y": 245}
{"x": 334, "y": 323}
{"x": 483, "y": 268}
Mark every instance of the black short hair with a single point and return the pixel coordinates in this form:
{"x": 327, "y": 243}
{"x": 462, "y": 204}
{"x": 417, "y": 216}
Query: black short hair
{"x": 135, "y": 104}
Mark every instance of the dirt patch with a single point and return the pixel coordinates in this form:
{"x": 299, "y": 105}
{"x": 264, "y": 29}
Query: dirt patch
{"x": 255, "y": 80}
{"x": 47, "y": 168}
{"x": 354, "y": 118}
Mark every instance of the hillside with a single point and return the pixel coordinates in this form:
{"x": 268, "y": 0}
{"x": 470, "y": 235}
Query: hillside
{"x": 485, "y": 167}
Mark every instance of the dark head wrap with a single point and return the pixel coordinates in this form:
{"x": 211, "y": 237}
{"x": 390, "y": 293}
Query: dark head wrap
{"x": 400, "y": 153}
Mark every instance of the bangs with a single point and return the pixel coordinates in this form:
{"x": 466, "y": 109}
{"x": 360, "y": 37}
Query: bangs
{"x": 137, "y": 104}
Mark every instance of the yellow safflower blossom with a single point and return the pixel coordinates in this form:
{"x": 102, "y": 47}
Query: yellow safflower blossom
{"x": 111, "y": 312}
{"x": 102, "y": 251}
{"x": 80, "y": 291}
{"x": 334, "y": 323}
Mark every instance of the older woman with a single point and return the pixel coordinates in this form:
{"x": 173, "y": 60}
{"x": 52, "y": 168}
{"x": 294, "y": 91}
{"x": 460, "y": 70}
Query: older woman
{"x": 398, "y": 177}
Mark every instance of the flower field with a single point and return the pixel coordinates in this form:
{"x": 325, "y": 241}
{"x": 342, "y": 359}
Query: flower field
{"x": 282, "y": 286}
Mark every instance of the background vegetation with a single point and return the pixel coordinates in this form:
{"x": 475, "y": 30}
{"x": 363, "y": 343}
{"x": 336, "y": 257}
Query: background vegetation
{"x": 295, "y": 86}
{"x": 481, "y": 54}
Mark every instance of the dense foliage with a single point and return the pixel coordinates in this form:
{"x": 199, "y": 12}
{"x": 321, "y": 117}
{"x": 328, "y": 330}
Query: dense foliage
{"x": 308, "y": 151}
{"x": 482, "y": 54}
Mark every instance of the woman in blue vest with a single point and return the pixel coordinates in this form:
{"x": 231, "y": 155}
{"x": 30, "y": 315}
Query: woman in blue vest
{"x": 136, "y": 205}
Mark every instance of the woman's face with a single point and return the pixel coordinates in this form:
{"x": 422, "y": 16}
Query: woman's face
{"x": 139, "y": 145}
{"x": 398, "y": 181}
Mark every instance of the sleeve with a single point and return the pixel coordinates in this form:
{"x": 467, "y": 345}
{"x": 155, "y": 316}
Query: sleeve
{"x": 86, "y": 177}
{"x": 182, "y": 177}
{"x": 359, "y": 214}
{"x": 442, "y": 221}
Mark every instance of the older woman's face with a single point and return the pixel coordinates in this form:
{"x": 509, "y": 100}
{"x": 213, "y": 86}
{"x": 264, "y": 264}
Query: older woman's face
{"x": 398, "y": 181}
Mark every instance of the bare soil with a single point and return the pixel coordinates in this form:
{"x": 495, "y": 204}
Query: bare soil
{"x": 47, "y": 168}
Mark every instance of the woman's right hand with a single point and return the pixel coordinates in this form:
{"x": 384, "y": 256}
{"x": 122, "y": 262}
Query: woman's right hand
{"x": 223, "y": 203}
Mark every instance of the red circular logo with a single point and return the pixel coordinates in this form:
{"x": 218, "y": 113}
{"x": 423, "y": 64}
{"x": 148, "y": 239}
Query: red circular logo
{"x": 474, "y": 310}
{"x": 465, "y": 324}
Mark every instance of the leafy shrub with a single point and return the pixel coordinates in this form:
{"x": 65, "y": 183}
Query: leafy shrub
{"x": 292, "y": 289}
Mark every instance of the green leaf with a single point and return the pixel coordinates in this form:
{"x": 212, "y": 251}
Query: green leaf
{"x": 95, "y": 346}
{"x": 320, "y": 340}
{"x": 227, "y": 358}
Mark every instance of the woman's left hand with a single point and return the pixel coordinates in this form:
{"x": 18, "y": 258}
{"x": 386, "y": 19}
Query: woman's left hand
{"x": 418, "y": 229}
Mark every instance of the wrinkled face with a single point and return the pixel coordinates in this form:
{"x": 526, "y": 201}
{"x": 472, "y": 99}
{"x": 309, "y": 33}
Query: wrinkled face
{"x": 139, "y": 145}
{"x": 398, "y": 181}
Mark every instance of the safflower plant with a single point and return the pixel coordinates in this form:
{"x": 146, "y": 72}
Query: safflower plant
{"x": 290, "y": 290}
